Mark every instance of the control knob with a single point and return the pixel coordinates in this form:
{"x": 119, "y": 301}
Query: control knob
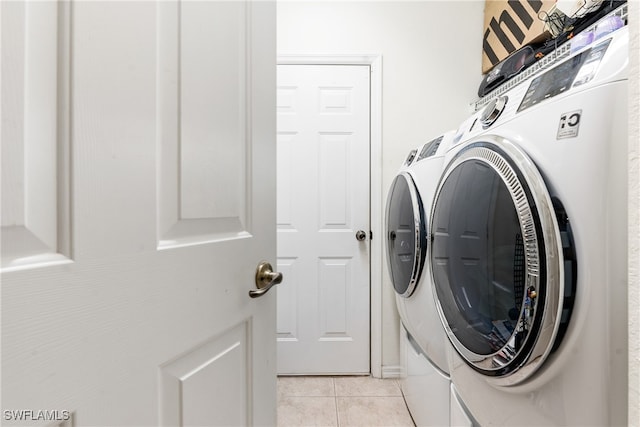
{"x": 492, "y": 111}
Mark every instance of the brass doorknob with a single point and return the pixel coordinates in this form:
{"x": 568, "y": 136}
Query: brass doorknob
{"x": 266, "y": 278}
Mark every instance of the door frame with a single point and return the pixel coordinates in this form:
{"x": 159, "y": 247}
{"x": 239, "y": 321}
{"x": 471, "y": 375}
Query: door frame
{"x": 374, "y": 61}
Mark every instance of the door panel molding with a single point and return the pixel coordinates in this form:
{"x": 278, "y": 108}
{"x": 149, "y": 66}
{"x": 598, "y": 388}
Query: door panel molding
{"x": 220, "y": 360}
{"x": 36, "y": 228}
{"x": 286, "y": 195}
{"x": 287, "y": 322}
{"x": 195, "y": 99}
{"x": 374, "y": 61}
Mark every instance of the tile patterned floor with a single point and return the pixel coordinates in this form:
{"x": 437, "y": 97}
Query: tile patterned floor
{"x": 341, "y": 402}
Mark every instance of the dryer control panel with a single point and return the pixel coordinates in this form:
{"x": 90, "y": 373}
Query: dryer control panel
{"x": 430, "y": 148}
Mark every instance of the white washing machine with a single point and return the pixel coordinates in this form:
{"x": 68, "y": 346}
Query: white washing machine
{"x": 425, "y": 387}
{"x": 424, "y": 345}
{"x": 527, "y": 250}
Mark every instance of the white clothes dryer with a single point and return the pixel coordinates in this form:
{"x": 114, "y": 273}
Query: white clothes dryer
{"x": 528, "y": 247}
{"x": 426, "y": 388}
{"x": 408, "y": 205}
{"x": 424, "y": 346}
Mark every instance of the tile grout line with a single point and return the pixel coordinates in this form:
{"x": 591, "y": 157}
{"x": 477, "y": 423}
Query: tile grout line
{"x": 335, "y": 400}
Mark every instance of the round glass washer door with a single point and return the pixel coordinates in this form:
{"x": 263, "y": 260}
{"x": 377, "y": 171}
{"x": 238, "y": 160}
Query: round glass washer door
{"x": 496, "y": 261}
{"x": 406, "y": 234}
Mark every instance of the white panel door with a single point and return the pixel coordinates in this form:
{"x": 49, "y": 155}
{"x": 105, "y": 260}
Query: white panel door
{"x": 138, "y": 197}
{"x": 323, "y": 201}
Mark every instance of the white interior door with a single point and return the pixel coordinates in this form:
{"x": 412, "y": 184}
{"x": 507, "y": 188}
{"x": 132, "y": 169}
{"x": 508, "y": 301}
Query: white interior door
{"x": 138, "y": 197}
{"x": 323, "y": 201}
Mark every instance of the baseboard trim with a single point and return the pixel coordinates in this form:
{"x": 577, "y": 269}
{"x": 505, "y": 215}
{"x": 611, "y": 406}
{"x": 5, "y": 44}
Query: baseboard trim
{"x": 391, "y": 371}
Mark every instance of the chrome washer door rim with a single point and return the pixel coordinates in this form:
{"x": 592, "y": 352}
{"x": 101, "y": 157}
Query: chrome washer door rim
{"x": 513, "y": 363}
{"x": 416, "y": 232}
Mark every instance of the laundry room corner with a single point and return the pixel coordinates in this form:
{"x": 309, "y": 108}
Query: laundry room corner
{"x": 421, "y": 63}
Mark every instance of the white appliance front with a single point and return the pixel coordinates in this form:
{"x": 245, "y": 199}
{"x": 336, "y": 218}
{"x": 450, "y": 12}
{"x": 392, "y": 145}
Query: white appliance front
{"x": 408, "y": 205}
{"x": 458, "y": 415}
{"x": 425, "y": 351}
{"x": 528, "y": 247}
{"x": 424, "y": 386}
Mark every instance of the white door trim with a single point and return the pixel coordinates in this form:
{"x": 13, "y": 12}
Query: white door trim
{"x": 376, "y": 208}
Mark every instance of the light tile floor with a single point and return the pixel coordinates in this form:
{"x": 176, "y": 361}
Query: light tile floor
{"x": 341, "y": 402}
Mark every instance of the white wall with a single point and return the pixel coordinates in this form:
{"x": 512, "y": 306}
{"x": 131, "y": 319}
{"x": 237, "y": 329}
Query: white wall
{"x": 431, "y": 69}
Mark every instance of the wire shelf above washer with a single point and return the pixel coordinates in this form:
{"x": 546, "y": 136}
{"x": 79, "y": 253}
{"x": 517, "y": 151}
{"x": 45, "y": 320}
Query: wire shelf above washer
{"x": 557, "y": 55}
